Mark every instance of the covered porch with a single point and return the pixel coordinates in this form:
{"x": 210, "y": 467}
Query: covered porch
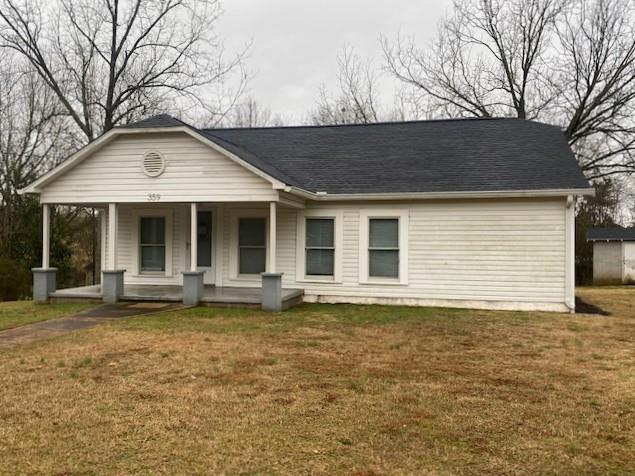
{"x": 197, "y": 253}
{"x": 212, "y": 295}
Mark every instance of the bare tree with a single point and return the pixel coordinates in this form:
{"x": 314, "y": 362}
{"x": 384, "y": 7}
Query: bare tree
{"x": 32, "y": 137}
{"x": 569, "y": 62}
{"x": 357, "y": 100}
{"x": 112, "y": 61}
{"x": 594, "y": 88}
{"x": 250, "y": 113}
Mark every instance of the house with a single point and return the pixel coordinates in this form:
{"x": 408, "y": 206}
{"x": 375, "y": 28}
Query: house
{"x": 613, "y": 255}
{"x": 467, "y": 213}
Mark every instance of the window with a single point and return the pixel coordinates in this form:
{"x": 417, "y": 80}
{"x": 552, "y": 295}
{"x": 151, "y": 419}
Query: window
{"x": 383, "y": 248}
{"x": 252, "y": 245}
{"x": 152, "y": 243}
{"x": 320, "y": 246}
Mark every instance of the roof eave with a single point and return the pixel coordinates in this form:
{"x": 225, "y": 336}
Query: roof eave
{"x": 323, "y": 196}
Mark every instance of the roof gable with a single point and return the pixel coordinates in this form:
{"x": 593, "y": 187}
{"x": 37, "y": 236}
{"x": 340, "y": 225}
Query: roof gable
{"x": 191, "y": 172}
{"x": 148, "y": 128}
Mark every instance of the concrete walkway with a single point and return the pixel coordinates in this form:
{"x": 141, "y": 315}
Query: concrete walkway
{"x": 82, "y": 320}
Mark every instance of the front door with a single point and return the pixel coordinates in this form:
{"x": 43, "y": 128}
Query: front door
{"x": 205, "y": 249}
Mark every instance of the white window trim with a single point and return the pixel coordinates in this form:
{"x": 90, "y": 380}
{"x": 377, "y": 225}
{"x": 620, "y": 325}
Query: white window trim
{"x": 235, "y": 215}
{"x": 338, "y": 217}
{"x": 167, "y": 213}
{"x": 364, "y": 218}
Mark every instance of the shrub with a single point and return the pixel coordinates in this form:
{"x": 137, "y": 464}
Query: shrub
{"x": 15, "y": 280}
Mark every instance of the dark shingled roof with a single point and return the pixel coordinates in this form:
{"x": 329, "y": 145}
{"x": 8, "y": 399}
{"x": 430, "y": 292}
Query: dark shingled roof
{"x": 616, "y": 233}
{"x": 454, "y": 155}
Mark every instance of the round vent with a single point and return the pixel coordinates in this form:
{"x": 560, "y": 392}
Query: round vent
{"x": 153, "y": 163}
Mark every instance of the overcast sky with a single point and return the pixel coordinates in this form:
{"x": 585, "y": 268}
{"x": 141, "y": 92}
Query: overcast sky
{"x": 295, "y": 42}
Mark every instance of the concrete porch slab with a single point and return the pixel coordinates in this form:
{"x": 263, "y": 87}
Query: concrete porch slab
{"x": 212, "y": 295}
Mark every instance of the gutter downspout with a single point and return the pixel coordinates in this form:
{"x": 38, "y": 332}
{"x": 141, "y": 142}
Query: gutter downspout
{"x": 570, "y": 253}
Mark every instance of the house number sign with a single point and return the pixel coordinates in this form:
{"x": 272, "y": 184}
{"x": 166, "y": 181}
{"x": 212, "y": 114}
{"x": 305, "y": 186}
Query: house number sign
{"x": 154, "y": 197}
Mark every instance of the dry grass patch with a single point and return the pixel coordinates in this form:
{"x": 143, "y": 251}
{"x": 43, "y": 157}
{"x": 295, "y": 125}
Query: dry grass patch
{"x": 328, "y": 389}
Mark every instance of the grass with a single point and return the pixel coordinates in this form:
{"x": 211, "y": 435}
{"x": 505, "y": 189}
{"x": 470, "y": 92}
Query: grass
{"x": 19, "y": 313}
{"x": 325, "y": 389}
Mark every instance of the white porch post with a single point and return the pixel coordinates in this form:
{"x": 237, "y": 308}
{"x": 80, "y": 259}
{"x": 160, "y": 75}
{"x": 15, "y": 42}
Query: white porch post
{"x": 44, "y": 278}
{"x": 112, "y": 236}
{"x": 112, "y": 277}
{"x": 271, "y": 259}
{"x": 193, "y": 280}
{"x": 46, "y": 236}
{"x": 271, "y": 280}
{"x": 193, "y": 236}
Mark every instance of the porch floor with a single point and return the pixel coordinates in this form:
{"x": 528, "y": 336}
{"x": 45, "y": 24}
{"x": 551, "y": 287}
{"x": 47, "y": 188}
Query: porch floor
{"x": 169, "y": 293}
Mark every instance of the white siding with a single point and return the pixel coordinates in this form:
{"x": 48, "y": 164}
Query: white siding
{"x": 507, "y": 253}
{"x": 607, "y": 262}
{"x": 194, "y": 172}
{"x": 479, "y": 253}
{"x": 628, "y": 250}
{"x": 485, "y": 250}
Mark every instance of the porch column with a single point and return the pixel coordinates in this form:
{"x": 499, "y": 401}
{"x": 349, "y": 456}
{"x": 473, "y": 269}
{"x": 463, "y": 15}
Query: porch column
{"x": 271, "y": 259}
{"x": 112, "y": 278}
{"x": 193, "y": 285}
{"x": 44, "y": 278}
{"x": 193, "y": 236}
{"x": 46, "y": 235}
{"x": 272, "y": 281}
{"x": 112, "y": 236}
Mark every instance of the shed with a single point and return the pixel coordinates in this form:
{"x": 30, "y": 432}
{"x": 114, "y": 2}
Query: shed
{"x": 613, "y": 255}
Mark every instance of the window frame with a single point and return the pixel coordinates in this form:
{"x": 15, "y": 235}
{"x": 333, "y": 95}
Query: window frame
{"x": 402, "y": 216}
{"x": 338, "y": 244}
{"x": 262, "y": 247}
{"x": 163, "y": 245}
{"x": 167, "y": 214}
{"x": 234, "y": 258}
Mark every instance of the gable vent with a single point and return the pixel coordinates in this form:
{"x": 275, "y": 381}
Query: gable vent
{"x": 153, "y": 163}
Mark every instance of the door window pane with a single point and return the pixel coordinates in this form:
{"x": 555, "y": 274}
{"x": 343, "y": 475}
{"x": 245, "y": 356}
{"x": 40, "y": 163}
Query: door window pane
{"x": 152, "y": 243}
{"x": 252, "y": 239}
{"x": 320, "y": 247}
{"x": 383, "y": 249}
{"x": 204, "y": 237}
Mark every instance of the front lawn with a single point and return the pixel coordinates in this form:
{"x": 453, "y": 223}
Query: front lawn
{"x": 19, "y": 313}
{"x": 328, "y": 390}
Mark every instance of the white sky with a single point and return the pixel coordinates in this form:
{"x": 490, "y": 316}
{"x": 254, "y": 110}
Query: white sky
{"x": 295, "y": 42}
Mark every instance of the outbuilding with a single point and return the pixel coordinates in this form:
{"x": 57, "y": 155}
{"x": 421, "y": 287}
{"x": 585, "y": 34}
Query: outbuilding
{"x": 613, "y": 255}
